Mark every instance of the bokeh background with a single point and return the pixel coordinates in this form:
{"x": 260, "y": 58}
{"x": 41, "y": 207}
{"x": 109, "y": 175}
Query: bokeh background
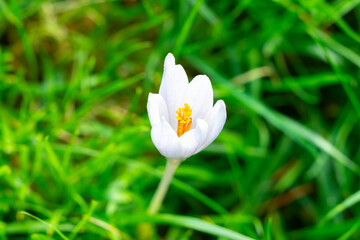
{"x": 76, "y": 157}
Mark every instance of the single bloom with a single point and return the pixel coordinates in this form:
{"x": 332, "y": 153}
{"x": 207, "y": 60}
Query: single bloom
{"x": 183, "y": 118}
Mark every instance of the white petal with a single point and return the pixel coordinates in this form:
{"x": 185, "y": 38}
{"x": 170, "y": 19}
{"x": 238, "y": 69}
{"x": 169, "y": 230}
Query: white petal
{"x": 166, "y": 140}
{"x": 216, "y": 120}
{"x": 199, "y": 96}
{"x": 156, "y": 108}
{"x": 169, "y": 60}
{"x": 172, "y": 88}
{"x": 194, "y": 138}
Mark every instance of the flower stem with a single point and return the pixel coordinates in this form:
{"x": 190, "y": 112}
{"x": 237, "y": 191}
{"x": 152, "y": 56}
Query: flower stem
{"x": 171, "y": 166}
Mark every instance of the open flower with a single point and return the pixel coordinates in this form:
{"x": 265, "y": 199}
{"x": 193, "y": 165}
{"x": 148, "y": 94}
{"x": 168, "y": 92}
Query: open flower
{"x": 183, "y": 118}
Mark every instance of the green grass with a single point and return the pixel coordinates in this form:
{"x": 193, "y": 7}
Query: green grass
{"x": 76, "y": 157}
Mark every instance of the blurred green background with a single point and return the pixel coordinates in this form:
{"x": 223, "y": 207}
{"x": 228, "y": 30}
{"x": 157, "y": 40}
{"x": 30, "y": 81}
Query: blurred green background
{"x": 76, "y": 157}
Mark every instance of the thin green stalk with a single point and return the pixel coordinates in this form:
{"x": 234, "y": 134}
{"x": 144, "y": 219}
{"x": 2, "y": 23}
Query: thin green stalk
{"x": 171, "y": 166}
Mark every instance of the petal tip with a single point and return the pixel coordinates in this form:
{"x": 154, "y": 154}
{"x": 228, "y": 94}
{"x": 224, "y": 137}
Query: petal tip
{"x": 202, "y": 76}
{"x": 205, "y": 76}
{"x": 203, "y": 80}
{"x": 151, "y": 95}
{"x": 220, "y": 104}
{"x": 222, "y": 107}
{"x": 169, "y": 60}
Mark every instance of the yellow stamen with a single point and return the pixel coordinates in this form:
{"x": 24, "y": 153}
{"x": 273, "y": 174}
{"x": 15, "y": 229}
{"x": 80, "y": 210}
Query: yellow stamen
{"x": 184, "y": 119}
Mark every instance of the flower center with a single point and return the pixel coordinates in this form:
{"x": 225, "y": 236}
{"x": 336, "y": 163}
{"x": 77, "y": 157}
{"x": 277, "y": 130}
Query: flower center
{"x": 184, "y": 119}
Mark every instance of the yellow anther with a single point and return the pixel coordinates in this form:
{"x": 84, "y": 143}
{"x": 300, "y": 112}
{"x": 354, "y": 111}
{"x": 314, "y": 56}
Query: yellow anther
{"x": 184, "y": 119}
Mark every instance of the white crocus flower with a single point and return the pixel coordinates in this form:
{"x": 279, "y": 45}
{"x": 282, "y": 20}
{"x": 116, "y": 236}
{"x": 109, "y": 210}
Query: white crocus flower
{"x": 183, "y": 118}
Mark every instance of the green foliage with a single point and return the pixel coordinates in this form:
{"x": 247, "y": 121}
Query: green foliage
{"x": 76, "y": 157}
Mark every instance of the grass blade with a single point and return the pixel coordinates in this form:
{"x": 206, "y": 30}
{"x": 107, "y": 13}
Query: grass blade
{"x": 186, "y": 222}
{"x": 350, "y": 201}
